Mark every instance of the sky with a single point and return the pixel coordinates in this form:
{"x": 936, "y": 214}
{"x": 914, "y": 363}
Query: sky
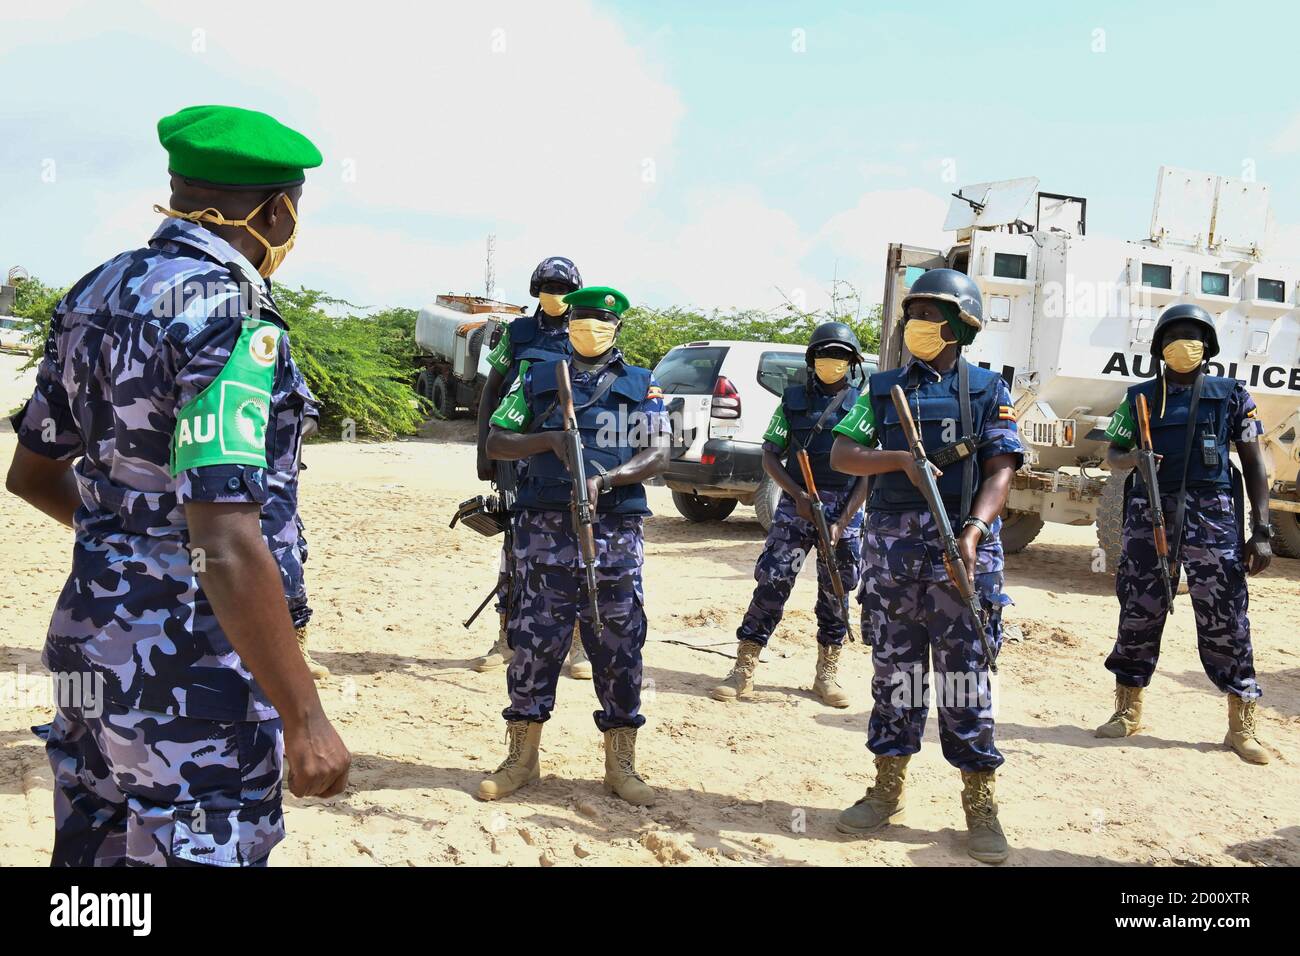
{"x": 719, "y": 155}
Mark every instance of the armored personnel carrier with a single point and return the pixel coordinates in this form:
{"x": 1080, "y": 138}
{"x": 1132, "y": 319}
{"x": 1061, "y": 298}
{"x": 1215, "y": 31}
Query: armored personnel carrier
{"x": 1068, "y": 320}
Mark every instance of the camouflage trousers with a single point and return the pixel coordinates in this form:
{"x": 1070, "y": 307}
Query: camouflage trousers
{"x": 909, "y": 623}
{"x": 791, "y": 543}
{"x": 1216, "y": 582}
{"x": 133, "y": 788}
{"x": 550, "y": 591}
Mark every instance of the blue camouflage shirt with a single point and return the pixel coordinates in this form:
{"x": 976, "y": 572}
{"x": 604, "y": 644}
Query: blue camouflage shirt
{"x": 133, "y": 348}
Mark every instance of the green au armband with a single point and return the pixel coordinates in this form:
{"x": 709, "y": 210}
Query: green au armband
{"x": 778, "y": 429}
{"x": 225, "y": 424}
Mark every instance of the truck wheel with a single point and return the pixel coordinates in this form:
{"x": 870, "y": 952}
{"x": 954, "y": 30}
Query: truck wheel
{"x": 1286, "y": 537}
{"x": 424, "y": 394}
{"x": 1018, "y": 529}
{"x": 701, "y": 508}
{"x": 766, "y": 499}
{"x": 1110, "y": 518}
{"x": 440, "y": 394}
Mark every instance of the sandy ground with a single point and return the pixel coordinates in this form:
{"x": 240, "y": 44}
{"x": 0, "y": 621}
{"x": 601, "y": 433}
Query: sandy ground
{"x": 757, "y": 782}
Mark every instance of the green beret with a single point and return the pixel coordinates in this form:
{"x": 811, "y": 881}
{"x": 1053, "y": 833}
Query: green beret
{"x": 227, "y": 146}
{"x": 600, "y": 297}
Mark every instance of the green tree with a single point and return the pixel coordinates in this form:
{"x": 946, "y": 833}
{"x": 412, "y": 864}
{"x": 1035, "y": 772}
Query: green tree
{"x": 648, "y": 334}
{"x": 358, "y": 366}
{"x": 34, "y": 303}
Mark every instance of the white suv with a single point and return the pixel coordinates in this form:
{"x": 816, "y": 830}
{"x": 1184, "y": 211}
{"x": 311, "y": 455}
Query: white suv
{"x": 724, "y": 394}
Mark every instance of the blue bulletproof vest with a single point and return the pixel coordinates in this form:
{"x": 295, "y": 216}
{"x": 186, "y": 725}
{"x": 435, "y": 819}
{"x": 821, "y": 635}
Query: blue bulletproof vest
{"x": 936, "y": 409}
{"x": 801, "y": 416}
{"x": 546, "y": 484}
{"x": 532, "y": 340}
{"x": 1169, "y": 432}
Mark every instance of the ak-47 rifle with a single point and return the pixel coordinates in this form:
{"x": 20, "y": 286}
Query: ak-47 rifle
{"x": 582, "y": 507}
{"x": 1146, "y": 467}
{"x": 824, "y": 546}
{"x": 952, "y": 560}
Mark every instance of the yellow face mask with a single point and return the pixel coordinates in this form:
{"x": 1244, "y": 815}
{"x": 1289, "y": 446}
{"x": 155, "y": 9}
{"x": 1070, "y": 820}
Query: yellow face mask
{"x": 1184, "y": 355}
{"x": 830, "y": 370}
{"x": 591, "y": 337}
{"x": 274, "y": 254}
{"x": 924, "y": 339}
{"x": 552, "y": 304}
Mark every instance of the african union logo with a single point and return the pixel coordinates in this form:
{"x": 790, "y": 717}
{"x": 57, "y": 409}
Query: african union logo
{"x": 261, "y": 345}
{"x": 250, "y": 419}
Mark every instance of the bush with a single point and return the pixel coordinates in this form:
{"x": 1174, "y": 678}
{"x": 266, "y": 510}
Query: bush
{"x": 34, "y": 303}
{"x": 358, "y": 366}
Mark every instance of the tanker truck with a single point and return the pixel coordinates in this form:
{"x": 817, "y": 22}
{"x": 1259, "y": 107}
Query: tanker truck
{"x": 1068, "y": 320}
{"x": 455, "y": 335}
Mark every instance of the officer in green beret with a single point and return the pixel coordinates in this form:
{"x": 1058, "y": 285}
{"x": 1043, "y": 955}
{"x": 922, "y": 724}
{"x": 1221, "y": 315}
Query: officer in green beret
{"x": 620, "y": 416}
{"x": 240, "y": 173}
{"x": 165, "y": 428}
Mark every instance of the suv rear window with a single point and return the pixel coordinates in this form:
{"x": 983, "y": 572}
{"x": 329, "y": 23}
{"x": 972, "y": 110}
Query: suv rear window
{"x": 777, "y": 371}
{"x": 690, "y": 370}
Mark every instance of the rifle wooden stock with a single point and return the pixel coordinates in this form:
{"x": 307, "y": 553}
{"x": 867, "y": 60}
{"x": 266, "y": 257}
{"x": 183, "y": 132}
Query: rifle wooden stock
{"x": 1147, "y": 470}
{"x": 824, "y": 546}
{"x": 905, "y": 419}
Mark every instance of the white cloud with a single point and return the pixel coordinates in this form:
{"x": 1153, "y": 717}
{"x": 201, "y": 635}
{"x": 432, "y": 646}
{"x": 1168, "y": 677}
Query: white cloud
{"x": 1288, "y": 140}
{"x": 532, "y": 122}
{"x": 861, "y": 235}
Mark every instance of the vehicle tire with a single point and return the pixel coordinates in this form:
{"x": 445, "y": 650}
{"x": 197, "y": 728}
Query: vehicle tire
{"x": 766, "y": 498}
{"x": 702, "y": 508}
{"x": 1286, "y": 534}
{"x": 1019, "y": 528}
{"x": 440, "y": 395}
{"x": 1110, "y": 518}
{"x": 424, "y": 393}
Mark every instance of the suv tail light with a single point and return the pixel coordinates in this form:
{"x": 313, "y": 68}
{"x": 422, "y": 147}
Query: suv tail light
{"x": 726, "y": 400}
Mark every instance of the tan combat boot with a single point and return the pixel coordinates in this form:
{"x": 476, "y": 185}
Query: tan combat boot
{"x": 579, "y": 666}
{"x": 318, "y": 670}
{"x": 987, "y": 843}
{"x": 521, "y": 766}
{"x": 499, "y": 654}
{"x": 1127, "y": 719}
{"x": 1243, "y": 735}
{"x": 826, "y": 686}
{"x": 740, "y": 682}
{"x": 620, "y": 768}
{"x": 883, "y": 799}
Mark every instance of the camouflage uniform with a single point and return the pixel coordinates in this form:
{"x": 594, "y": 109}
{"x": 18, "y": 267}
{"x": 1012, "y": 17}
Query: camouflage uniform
{"x": 548, "y": 579}
{"x": 551, "y": 592}
{"x": 286, "y": 523}
{"x": 1210, "y": 551}
{"x": 911, "y": 612}
{"x": 137, "y": 788}
{"x": 543, "y": 340}
{"x": 133, "y": 345}
{"x": 792, "y": 540}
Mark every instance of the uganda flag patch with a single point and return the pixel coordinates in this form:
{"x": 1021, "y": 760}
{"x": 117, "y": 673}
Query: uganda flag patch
{"x": 654, "y": 392}
{"x": 1006, "y": 413}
